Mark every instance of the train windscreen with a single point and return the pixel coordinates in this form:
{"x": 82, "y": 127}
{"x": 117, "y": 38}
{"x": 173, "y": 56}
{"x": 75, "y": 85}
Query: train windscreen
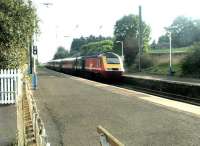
{"x": 112, "y": 58}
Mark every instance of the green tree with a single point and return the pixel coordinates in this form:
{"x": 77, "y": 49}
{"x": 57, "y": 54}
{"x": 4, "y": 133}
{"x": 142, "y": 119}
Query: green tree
{"x": 191, "y": 63}
{"x": 127, "y": 30}
{"x": 18, "y": 22}
{"x": 183, "y": 31}
{"x": 154, "y": 45}
{"x": 197, "y": 30}
{"x": 61, "y": 53}
{"x": 163, "y": 41}
{"x": 96, "y": 47}
{"x": 77, "y": 43}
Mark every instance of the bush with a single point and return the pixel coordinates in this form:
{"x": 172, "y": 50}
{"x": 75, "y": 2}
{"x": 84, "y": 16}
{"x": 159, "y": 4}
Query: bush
{"x": 191, "y": 64}
{"x": 146, "y": 61}
{"x": 18, "y": 22}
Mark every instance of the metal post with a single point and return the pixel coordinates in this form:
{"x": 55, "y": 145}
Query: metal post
{"x": 122, "y": 51}
{"x": 170, "y": 47}
{"x": 34, "y": 77}
{"x": 170, "y": 54}
{"x": 140, "y": 36}
{"x": 30, "y": 58}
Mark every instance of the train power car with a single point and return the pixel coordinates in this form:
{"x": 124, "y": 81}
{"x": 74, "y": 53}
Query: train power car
{"x": 107, "y": 65}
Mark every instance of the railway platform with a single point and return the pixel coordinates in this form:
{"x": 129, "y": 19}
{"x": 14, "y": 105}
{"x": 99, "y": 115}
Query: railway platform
{"x": 72, "y": 108}
{"x": 182, "y": 88}
{"x": 172, "y": 79}
{"x": 8, "y": 124}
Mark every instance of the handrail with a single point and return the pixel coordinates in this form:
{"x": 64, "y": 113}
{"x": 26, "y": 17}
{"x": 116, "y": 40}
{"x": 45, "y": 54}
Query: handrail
{"x": 106, "y": 139}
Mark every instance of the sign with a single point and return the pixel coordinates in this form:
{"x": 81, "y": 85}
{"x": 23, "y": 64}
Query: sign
{"x": 35, "y": 51}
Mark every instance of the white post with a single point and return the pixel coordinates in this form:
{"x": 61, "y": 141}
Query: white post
{"x": 1, "y": 88}
{"x": 170, "y": 47}
{"x": 170, "y": 53}
{"x": 4, "y": 86}
{"x": 122, "y": 51}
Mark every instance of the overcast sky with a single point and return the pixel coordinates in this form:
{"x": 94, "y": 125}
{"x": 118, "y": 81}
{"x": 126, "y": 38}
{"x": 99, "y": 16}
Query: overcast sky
{"x": 75, "y": 18}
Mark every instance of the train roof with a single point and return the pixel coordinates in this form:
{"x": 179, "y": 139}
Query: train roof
{"x": 80, "y": 57}
{"x": 56, "y": 60}
{"x": 102, "y": 54}
{"x": 68, "y": 59}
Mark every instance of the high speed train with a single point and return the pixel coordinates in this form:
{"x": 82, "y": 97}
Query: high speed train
{"x": 106, "y": 65}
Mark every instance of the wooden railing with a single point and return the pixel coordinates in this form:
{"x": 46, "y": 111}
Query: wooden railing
{"x": 106, "y": 139}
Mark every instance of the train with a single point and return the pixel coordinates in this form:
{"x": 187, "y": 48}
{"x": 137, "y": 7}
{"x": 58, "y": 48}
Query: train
{"x": 106, "y": 65}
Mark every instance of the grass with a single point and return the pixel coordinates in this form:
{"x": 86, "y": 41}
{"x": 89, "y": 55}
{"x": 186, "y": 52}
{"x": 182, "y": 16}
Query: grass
{"x": 163, "y": 69}
{"x": 174, "y": 50}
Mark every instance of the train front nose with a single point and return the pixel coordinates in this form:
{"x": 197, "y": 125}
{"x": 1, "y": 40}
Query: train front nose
{"x": 113, "y": 65}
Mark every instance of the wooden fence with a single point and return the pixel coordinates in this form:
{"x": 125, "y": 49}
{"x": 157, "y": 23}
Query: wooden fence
{"x": 10, "y": 85}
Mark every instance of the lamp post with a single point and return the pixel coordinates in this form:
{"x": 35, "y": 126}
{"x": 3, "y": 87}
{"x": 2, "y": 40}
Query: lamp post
{"x": 170, "y": 54}
{"x": 140, "y": 37}
{"x": 122, "y": 46}
{"x": 34, "y": 53}
{"x": 47, "y": 4}
{"x": 67, "y": 36}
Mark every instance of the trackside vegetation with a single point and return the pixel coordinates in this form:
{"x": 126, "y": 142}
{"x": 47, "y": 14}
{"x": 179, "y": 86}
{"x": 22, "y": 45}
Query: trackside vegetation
{"x": 96, "y": 47}
{"x": 77, "y": 43}
{"x": 18, "y": 23}
{"x": 61, "y": 53}
{"x": 191, "y": 63}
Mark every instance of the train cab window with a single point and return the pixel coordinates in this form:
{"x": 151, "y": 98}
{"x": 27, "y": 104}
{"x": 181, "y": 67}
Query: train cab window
{"x": 112, "y": 58}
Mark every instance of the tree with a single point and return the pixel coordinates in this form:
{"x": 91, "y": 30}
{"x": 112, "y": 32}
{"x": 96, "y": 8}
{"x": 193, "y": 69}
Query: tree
{"x": 79, "y": 42}
{"x": 61, "y": 53}
{"x": 183, "y": 31}
{"x": 76, "y": 45}
{"x": 197, "y": 30}
{"x": 191, "y": 63}
{"x": 127, "y": 30}
{"x": 154, "y": 45}
{"x": 96, "y": 47}
{"x": 163, "y": 41}
{"x": 18, "y": 23}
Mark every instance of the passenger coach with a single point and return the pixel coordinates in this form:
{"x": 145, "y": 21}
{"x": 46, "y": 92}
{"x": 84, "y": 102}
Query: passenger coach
{"x": 107, "y": 65}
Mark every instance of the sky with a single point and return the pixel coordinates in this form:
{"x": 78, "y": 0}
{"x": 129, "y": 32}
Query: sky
{"x": 67, "y": 19}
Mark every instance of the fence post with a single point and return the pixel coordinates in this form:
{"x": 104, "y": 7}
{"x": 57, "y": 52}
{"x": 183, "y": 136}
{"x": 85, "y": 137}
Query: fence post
{"x": 1, "y": 88}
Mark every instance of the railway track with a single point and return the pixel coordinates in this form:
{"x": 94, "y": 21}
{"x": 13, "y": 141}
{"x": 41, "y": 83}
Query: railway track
{"x": 177, "y": 97}
{"x": 168, "y": 95}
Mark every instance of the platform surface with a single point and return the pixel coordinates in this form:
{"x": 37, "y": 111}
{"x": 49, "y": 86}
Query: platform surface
{"x": 8, "y": 124}
{"x": 71, "y": 108}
